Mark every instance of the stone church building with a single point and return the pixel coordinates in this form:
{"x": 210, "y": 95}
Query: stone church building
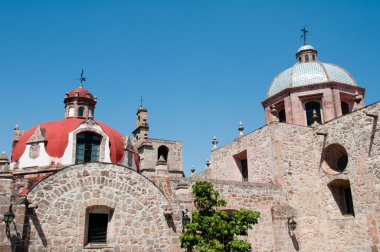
{"x": 76, "y": 184}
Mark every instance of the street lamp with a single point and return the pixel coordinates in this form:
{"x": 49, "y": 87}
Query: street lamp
{"x": 185, "y": 220}
{"x": 292, "y": 224}
{"x": 8, "y": 218}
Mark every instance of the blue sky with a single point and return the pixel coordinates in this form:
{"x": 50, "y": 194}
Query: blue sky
{"x": 201, "y": 66}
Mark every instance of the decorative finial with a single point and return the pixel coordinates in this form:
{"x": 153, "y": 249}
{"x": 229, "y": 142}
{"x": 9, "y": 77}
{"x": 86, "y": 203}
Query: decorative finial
{"x": 304, "y": 31}
{"x": 241, "y": 128}
{"x": 192, "y": 170}
{"x": 215, "y": 143}
{"x": 358, "y": 98}
{"x": 141, "y": 101}
{"x": 208, "y": 164}
{"x": 17, "y": 127}
{"x": 82, "y": 79}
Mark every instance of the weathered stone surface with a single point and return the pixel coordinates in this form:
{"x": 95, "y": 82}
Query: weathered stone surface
{"x": 137, "y": 222}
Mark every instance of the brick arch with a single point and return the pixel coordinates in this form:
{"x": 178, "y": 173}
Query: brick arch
{"x": 137, "y": 222}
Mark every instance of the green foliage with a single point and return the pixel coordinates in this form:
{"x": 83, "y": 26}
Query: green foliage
{"x": 213, "y": 230}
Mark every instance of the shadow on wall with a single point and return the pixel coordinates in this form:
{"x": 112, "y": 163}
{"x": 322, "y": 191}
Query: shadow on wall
{"x": 295, "y": 243}
{"x": 31, "y": 217}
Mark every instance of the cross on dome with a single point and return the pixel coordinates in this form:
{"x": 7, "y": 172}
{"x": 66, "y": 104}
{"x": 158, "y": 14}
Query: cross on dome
{"x": 82, "y": 79}
{"x": 304, "y": 31}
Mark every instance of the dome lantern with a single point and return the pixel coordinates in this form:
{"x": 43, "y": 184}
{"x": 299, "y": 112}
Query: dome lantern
{"x": 79, "y": 102}
{"x": 308, "y": 86}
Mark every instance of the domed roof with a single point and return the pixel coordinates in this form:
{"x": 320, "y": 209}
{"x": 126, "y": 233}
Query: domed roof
{"x": 56, "y": 135}
{"x": 80, "y": 92}
{"x": 309, "y": 72}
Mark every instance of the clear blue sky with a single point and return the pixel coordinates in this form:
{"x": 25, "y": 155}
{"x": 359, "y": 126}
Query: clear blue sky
{"x": 201, "y": 66}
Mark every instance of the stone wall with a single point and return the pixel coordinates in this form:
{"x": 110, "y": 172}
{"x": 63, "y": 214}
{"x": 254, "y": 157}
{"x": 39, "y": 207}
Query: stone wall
{"x": 137, "y": 221}
{"x": 292, "y": 157}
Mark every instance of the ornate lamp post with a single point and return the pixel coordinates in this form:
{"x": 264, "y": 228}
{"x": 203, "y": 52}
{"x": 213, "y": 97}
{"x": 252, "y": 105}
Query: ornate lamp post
{"x": 8, "y": 218}
{"x": 185, "y": 220}
{"x": 292, "y": 224}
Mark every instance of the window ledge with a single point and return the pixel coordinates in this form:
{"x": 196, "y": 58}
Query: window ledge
{"x": 97, "y": 246}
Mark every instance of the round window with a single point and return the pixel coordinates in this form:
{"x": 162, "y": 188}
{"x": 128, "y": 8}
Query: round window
{"x": 335, "y": 159}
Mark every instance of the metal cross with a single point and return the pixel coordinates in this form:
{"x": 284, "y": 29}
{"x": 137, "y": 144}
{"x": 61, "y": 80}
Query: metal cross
{"x": 82, "y": 79}
{"x": 304, "y": 34}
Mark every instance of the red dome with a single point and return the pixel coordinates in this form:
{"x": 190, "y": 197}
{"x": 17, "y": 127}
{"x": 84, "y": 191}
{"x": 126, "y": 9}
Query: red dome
{"x": 56, "y": 134}
{"x": 82, "y": 92}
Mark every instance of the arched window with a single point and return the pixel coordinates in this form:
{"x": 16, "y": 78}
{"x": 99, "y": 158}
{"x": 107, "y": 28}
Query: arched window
{"x": 282, "y": 115}
{"x": 71, "y": 112}
{"x": 307, "y": 58}
{"x": 81, "y": 111}
{"x": 163, "y": 152}
{"x": 310, "y": 107}
{"x": 88, "y": 146}
{"x": 345, "y": 108}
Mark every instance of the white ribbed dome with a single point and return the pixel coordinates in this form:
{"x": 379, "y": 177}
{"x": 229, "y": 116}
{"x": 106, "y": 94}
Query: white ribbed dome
{"x": 308, "y": 73}
{"x": 305, "y": 47}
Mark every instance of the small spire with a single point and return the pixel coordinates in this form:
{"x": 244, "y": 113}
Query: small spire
{"x": 3, "y": 157}
{"x": 192, "y": 170}
{"x": 82, "y": 79}
{"x": 215, "y": 143}
{"x": 304, "y": 31}
{"x": 17, "y": 127}
{"x": 141, "y": 101}
{"x": 241, "y": 129}
{"x": 208, "y": 164}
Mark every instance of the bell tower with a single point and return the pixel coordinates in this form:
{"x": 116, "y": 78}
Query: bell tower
{"x": 140, "y": 134}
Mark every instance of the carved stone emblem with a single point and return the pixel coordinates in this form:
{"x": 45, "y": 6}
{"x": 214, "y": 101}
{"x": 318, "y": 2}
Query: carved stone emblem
{"x": 34, "y": 151}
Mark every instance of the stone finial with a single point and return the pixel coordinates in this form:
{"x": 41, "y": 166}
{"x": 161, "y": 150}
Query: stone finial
{"x": 315, "y": 118}
{"x": 214, "y": 143}
{"x": 358, "y": 97}
{"x": 208, "y": 164}
{"x": 241, "y": 129}
{"x": 192, "y": 170}
{"x": 4, "y": 157}
{"x": 274, "y": 113}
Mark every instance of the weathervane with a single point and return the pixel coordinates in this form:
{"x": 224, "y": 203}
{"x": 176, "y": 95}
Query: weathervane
{"x": 304, "y": 34}
{"x": 82, "y": 79}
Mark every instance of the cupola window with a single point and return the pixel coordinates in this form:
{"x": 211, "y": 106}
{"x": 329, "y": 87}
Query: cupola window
{"x": 282, "y": 115}
{"x": 345, "y": 108}
{"x": 81, "y": 111}
{"x": 87, "y": 148}
{"x": 71, "y": 112}
{"x": 306, "y": 57}
{"x": 310, "y": 108}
